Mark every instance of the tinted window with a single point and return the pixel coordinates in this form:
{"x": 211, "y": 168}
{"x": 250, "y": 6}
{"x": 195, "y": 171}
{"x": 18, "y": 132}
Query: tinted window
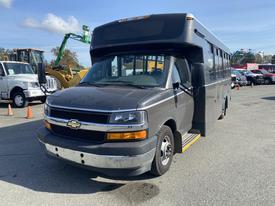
{"x": 211, "y": 62}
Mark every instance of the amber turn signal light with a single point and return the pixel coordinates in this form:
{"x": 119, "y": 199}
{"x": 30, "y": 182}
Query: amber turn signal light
{"x": 127, "y": 135}
{"x": 47, "y": 125}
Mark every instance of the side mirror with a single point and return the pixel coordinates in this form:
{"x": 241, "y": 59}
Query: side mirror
{"x": 176, "y": 85}
{"x": 41, "y": 74}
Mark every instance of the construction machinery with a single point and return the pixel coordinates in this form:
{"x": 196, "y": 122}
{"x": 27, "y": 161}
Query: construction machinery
{"x": 29, "y": 55}
{"x": 63, "y": 74}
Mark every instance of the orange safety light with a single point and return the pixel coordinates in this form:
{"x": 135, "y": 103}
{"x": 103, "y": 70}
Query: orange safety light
{"x": 127, "y": 135}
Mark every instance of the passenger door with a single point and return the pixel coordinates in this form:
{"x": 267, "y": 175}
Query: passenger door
{"x": 3, "y": 83}
{"x": 185, "y": 101}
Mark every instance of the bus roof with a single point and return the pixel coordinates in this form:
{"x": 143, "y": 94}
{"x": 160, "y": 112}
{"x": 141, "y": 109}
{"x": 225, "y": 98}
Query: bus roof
{"x": 180, "y": 29}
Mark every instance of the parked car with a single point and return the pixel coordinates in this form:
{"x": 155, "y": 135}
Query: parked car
{"x": 269, "y": 78}
{"x": 240, "y": 79}
{"x": 252, "y": 78}
{"x": 19, "y": 83}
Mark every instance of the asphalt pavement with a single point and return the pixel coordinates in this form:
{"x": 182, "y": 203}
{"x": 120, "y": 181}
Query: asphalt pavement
{"x": 233, "y": 165}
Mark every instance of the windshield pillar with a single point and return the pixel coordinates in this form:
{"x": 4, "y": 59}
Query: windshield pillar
{"x": 170, "y": 65}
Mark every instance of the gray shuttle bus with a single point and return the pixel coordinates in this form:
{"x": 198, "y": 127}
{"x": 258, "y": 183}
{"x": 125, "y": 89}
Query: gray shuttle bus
{"x": 157, "y": 83}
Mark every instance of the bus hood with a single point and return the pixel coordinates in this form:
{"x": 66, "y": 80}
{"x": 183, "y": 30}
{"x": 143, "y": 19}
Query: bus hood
{"x": 105, "y": 98}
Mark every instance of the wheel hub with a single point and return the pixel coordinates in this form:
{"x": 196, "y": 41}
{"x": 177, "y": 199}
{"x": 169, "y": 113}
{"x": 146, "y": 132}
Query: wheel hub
{"x": 18, "y": 100}
{"x": 166, "y": 150}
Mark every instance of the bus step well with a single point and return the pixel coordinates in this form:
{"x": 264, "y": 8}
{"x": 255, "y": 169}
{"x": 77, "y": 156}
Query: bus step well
{"x": 188, "y": 139}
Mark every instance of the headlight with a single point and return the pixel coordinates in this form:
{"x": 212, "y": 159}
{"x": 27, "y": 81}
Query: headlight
{"x": 136, "y": 117}
{"x": 46, "y": 109}
{"x": 32, "y": 84}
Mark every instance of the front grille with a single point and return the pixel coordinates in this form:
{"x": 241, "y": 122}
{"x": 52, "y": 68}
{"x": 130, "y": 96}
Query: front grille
{"x": 80, "y": 134}
{"x": 85, "y": 116}
{"x": 51, "y": 83}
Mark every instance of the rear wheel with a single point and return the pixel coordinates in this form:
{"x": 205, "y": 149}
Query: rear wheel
{"x": 164, "y": 152}
{"x": 224, "y": 108}
{"x": 19, "y": 99}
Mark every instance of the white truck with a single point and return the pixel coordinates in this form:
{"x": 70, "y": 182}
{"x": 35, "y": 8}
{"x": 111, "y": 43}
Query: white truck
{"x": 19, "y": 83}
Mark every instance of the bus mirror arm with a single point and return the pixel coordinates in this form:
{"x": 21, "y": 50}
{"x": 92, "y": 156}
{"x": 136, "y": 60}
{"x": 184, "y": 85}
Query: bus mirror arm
{"x": 188, "y": 90}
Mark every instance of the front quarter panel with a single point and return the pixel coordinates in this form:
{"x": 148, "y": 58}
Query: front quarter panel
{"x": 13, "y": 84}
{"x": 160, "y": 108}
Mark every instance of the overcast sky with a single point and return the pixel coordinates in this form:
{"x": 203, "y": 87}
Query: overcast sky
{"x": 42, "y": 23}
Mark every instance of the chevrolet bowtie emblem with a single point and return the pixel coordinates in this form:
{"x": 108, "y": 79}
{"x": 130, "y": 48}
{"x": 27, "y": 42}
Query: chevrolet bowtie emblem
{"x": 73, "y": 124}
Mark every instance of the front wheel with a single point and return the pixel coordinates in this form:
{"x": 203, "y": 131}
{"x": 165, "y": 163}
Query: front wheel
{"x": 19, "y": 100}
{"x": 164, "y": 153}
{"x": 43, "y": 99}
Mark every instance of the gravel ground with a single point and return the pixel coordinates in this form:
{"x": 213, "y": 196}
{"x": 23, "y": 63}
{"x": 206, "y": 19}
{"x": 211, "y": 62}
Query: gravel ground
{"x": 234, "y": 165}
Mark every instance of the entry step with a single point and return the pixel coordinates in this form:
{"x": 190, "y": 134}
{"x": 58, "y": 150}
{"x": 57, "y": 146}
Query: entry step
{"x": 188, "y": 139}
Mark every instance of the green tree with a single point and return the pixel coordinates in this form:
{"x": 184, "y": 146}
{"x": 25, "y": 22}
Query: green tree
{"x": 242, "y": 57}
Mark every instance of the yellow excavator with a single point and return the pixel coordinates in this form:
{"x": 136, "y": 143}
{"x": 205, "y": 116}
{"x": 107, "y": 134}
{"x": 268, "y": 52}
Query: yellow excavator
{"x": 63, "y": 75}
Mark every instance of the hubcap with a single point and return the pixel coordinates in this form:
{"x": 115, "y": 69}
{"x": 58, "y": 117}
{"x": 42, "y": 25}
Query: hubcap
{"x": 18, "y": 100}
{"x": 166, "y": 150}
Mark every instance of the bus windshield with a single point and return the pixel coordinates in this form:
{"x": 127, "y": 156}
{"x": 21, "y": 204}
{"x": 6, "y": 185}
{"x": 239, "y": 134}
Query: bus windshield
{"x": 17, "y": 68}
{"x": 135, "y": 70}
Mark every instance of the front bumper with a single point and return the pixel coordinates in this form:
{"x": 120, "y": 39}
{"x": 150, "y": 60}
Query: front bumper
{"x": 33, "y": 93}
{"x": 112, "y": 158}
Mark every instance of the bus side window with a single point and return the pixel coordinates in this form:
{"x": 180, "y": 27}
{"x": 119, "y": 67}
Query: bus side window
{"x": 218, "y": 63}
{"x": 223, "y": 64}
{"x": 211, "y": 62}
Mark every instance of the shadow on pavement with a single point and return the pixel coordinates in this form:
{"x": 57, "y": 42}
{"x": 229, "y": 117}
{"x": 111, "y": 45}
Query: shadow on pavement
{"x": 269, "y": 98}
{"x": 23, "y": 163}
{"x": 6, "y": 103}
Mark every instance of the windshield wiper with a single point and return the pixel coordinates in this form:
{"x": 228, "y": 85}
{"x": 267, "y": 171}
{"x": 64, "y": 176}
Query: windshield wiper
{"x": 126, "y": 83}
{"x": 135, "y": 85}
{"x": 90, "y": 84}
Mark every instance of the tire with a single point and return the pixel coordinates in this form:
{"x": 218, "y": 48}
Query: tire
{"x": 267, "y": 81}
{"x": 19, "y": 100}
{"x": 43, "y": 99}
{"x": 165, "y": 144}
